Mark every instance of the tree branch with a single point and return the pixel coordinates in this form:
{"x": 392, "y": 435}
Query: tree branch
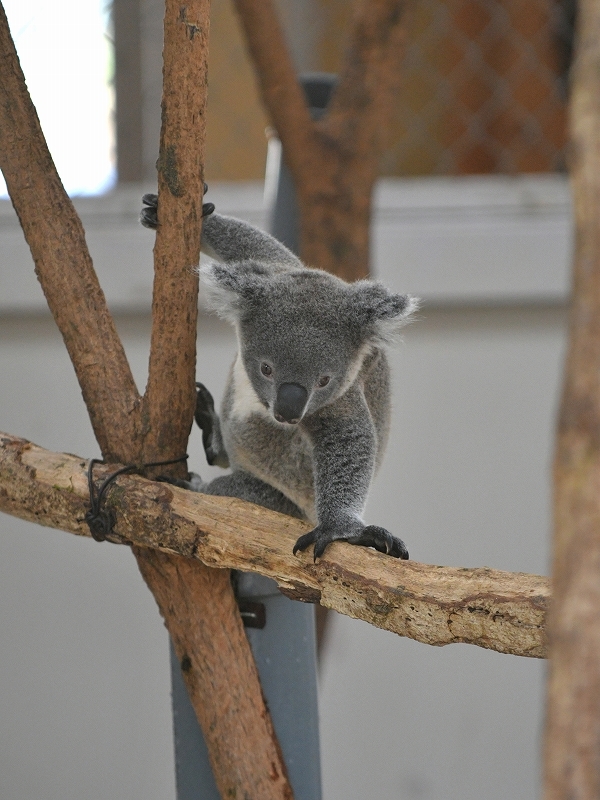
{"x": 334, "y": 162}
{"x": 62, "y": 262}
{"x": 336, "y": 208}
{"x": 436, "y": 605}
{"x": 197, "y": 603}
{"x": 281, "y": 93}
{"x": 231, "y": 711}
{"x": 170, "y": 395}
{"x": 359, "y": 113}
{"x": 572, "y": 741}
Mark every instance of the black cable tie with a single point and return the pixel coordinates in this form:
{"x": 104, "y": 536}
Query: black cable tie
{"x": 99, "y": 520}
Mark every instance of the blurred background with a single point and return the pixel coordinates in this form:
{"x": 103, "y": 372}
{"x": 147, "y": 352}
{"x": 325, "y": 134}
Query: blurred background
{"x": 473, "y": 214}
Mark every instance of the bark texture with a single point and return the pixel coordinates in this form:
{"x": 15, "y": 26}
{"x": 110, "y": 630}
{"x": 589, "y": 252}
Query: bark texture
{"x": 334, "y": 162}
{"x": 501, "y": 611}
{"x": 170, "y": 395}
{"x": 131, "y": 429}
{"x": 63, "y": 264}
{"x": 572, "y": 768}
{"x": 236, "y": 713}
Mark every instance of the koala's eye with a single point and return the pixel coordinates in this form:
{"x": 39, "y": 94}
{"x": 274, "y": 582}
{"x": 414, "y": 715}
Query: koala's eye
{"x": 266, "y": 370}
{"x": 323, "y": 381}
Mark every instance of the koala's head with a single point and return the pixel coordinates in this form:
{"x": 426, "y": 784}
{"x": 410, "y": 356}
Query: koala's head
{"x": 303, "y": 333}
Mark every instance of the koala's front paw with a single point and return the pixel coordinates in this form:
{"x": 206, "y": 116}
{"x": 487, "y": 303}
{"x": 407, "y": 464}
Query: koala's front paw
{"x": 149, "y": 214}
{"x": 370, "y": 536}
{"x": 382, "y": 540}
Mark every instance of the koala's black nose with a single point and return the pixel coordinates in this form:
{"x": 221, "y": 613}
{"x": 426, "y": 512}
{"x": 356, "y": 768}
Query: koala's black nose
{"x": 290, "y": 402}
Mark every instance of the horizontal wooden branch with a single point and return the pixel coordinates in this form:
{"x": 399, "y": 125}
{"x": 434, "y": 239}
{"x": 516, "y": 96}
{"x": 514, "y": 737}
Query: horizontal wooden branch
{"x": 500, "y": 611}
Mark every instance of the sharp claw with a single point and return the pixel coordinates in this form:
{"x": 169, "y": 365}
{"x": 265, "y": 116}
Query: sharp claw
{"x": 304, "y": 541}
{"x": 148, "y": 218}
{"x": 319, "y": 550}
{"x": 371, "y": 536}
{"x": 204, "y": 395}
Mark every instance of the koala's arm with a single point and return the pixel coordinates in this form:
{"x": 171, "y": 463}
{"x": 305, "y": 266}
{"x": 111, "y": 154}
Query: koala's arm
{"x": 344, "y": 447}
{"x": 228, "y": 239}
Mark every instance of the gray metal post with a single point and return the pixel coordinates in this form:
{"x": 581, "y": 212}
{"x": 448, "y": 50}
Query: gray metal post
{"x": 285, "y": 649}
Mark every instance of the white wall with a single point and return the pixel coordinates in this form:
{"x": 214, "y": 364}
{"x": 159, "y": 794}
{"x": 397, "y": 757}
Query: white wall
{"x": 465, "y": 483}
{"x": 84, "y": 678}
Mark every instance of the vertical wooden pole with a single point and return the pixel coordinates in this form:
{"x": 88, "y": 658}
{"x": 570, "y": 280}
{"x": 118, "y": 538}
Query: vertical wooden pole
{"x": 572, "y": 744}
{"x": 196, "y": 602}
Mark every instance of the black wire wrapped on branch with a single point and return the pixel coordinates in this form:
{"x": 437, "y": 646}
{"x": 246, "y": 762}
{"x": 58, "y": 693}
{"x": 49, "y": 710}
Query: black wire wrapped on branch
{"x": 100, "y": 520}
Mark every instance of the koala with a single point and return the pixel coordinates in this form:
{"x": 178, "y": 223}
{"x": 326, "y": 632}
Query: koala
{"x": 306, "y": 412}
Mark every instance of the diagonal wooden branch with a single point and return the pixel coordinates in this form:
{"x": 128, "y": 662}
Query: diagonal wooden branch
{"x": 437, "y": 605}
{"x": 281, "y": 92}
{"x": 360, "y": 109}
{"x": 62, "y": 262}
{"x": 334, "y": 162}
{"x": 352, "y": 136}
{"x": 128, "y": 429}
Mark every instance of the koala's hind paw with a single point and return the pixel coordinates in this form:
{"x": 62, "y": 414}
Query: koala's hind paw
{"x": 370, "y": 536}
{"x": 193, "y": 483}
{"x": 206, "y": 419}
{"x": 149, "y": 215}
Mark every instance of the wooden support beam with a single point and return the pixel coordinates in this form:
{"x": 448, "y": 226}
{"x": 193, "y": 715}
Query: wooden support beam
{"x": 500, "y": 611}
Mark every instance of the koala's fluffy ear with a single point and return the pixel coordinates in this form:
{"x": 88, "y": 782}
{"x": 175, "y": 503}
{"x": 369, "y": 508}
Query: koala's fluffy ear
{"x": 381, "y": 313}
{"x": 230, "y": 288}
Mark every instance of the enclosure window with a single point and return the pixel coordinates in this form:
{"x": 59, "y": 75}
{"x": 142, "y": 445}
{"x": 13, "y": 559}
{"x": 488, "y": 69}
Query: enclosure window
{"x": 66, "y": 53}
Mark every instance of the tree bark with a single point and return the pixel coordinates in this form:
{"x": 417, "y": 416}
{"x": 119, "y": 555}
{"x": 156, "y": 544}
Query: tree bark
{"x": 572, "y": 743}
{"x": 131, "y": 429}
{"x": 500, "y": 611}
{"x": 235, "y": 720}
{"x": 63, "y": 264}
{"x": 170, "y": 395}
{"x": 334, "y": 161}
{"x": 335, "y": 209}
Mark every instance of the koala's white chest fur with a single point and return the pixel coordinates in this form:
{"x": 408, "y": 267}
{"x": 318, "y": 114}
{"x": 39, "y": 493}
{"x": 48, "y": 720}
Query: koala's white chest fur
{"x": 280, "y": 455}
{"x": 245, "y": 399}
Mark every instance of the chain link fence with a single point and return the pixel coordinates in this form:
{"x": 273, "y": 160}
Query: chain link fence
{"x": 484, "y": 88}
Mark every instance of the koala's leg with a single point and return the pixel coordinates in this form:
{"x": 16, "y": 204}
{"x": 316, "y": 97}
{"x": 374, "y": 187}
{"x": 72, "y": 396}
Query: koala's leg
{"x": 232, "y": 240}
{"x": 344, "y": 451}
{"x": 208, "y": 421}
{"x": 243, "y": 485}
{"x": 247, "y": 487}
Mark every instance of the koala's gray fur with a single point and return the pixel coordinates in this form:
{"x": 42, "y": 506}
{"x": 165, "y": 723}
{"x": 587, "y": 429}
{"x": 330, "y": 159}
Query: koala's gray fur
{"x": 305, "y": 416}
